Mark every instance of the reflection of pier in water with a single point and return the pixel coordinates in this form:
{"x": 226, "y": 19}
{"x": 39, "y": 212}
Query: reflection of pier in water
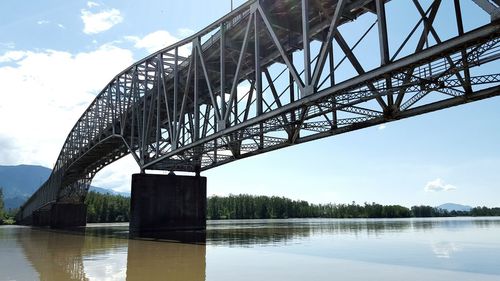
{"x": 54, "y": 256}
{"x": 147, "y": 260}
{"x": 62, "y": 255}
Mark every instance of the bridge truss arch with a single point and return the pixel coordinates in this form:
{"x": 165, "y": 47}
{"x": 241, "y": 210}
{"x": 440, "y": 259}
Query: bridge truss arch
{"x": 271, "y": 74}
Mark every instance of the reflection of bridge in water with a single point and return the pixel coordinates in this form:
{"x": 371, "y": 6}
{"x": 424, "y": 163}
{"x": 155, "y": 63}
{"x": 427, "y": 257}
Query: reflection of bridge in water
{"x": 268, "y": 75}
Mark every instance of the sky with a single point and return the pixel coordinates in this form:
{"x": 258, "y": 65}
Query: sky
{"x": 57, "y": 55}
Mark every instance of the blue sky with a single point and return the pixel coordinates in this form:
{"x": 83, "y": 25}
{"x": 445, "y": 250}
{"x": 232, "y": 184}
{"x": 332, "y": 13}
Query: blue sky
{"x": 55, "y": 56}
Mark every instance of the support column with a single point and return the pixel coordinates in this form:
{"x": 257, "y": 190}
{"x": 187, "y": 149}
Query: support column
{"x": 68, "y": 215}
{"x": 61, "y": 215}
{"x": 40, "y": 218}
{"x": 162, "y": 203}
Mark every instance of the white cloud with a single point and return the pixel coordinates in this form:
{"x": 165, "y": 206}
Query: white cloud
{"x": 438, "y": 185}
{"x": 156, "y": 41}
{"x": 7, "y": 148}
{"x": 45, "y": 92}
{"x": 98, "y": 22}
{"x": 118, "y": 175}
{"x": 11, "y": 56}
{"x": 242, "y": 91}
{"x": 44, "y": 22}
{"x": 91, "y": 4}
{"x": 381, "y": 127}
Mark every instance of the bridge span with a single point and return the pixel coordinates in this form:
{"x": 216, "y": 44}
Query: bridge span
{"x": 268, "y": 75}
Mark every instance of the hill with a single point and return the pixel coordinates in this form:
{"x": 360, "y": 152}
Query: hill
{"x": 108, "y": 191}
{"x": 454, "y": 207}
{"x": 19, "y": 182}
{"x": 23, "y": 180}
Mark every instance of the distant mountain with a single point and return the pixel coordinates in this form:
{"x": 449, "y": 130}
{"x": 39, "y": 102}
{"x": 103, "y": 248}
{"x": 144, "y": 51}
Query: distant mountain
{"x": 20, "y": 182}
{"x": 454, "y": 207}
{"x": 23, "y": 180}
{"x": 108, "y": 191}
{"x": 12, "y": 203}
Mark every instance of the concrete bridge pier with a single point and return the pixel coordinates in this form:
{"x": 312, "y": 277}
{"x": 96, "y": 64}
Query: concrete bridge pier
{"x": 167, "y": 203}
{"x": 61, "y": 215}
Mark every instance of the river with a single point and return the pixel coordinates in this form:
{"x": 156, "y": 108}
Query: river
{"x": 292, "y": 249}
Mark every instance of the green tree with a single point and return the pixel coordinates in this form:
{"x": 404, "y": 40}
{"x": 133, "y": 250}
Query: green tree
{"x": 484, "y": 211}
{"x": 2, "y": 211}
{"x": 246, "y": 206}
{"x": 107, "y": 207}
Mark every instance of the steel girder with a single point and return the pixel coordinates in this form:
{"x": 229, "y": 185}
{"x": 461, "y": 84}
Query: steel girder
{"x": 239, "y": 87}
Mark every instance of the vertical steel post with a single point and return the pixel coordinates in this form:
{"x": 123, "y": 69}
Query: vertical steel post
{"x": 132, "y": 97}
{"x": 292, "y": 88}
{"x": 176, "y": 92}
{"x": 258, "y": 78}
{"x": 143, "y": 146}
{"x": 195, "y": 101}
{"x": 158, "y": 99}
{"x": 215, "y": 140}
{"x": 331, "y": 62}
{"x": 223, "y": 69}
{"x": 306, "y": 46}
{"x": 384, "y": 45}
{"x": 460, "y": 27}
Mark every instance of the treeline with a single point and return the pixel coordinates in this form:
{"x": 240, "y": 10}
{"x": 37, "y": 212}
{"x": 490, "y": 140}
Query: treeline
{"x": 107, "y": 207}
{"x": 264, "y": 207}
{"x": 102, "y": 208}
{"x": 2, "y": 207}
{"x": 6, "y": 217}
{"x": 428, "y": 211}
{"x": 485, "y": 212}
{"x": 116, "y": 208}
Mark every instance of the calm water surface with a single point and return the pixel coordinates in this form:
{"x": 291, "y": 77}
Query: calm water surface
{"x": 295, "y": 249}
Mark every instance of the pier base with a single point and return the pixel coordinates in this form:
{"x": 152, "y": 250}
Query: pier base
{"x": 61, "y": 215}
{"x": 165, "y": 203}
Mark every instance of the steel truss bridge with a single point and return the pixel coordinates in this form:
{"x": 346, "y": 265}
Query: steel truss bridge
{"x": 271, "y": 74}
